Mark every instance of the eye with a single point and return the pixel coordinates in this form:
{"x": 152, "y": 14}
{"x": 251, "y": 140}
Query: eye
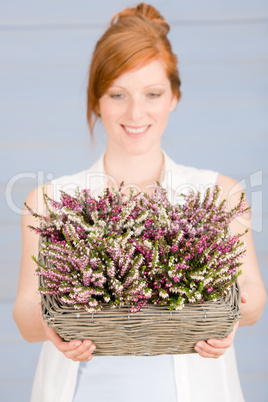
{"x": 116, "y": 96}
{"x": 154, "y": 94}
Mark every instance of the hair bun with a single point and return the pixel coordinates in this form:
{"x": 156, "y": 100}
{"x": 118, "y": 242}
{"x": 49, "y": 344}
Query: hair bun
{"x": 143, "y": 10}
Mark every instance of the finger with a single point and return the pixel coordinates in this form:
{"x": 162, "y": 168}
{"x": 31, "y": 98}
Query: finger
{"x": 82, "y": 352}
{"x": 75, "y": 350}
{"x": 205, "y": 350}
{"x": 205, "y": 346}
{"x": 220, "y": 343}
{"x": 70, "y": 347}
{"x": 244, "y": 297}
{"x": 225, "y": 342}
{"x": 84, "y": 358}
{"x": 209, "y": 352}
{"x": 86, "y": 355}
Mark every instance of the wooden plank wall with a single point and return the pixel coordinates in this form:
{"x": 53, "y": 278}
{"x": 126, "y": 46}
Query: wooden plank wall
{"x": 221, "y": 123}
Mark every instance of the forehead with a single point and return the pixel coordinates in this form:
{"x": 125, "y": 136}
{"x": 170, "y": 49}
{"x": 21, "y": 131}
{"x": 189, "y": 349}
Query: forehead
{"x": 152, "y": 73}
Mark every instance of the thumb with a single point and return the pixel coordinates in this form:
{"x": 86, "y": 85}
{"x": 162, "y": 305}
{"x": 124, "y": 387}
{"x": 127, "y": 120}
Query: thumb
{"x": 244, "y": 297}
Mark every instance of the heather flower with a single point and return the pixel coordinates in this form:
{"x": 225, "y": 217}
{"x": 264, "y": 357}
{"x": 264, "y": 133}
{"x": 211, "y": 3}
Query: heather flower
{"x": 136, "y": 249}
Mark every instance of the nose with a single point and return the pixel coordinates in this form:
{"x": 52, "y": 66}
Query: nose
{"x": 135, "y": 109}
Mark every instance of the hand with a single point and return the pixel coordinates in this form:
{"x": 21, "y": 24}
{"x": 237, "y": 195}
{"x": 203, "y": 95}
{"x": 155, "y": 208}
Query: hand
{"x": 76, "y": 350}
{"x": 214, "y": 348}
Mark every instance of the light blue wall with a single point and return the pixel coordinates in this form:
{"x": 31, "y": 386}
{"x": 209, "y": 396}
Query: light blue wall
{"x": 221, "y": 123}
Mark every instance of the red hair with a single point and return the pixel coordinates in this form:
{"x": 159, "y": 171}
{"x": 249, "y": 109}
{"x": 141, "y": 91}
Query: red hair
{"x": 135, "y": 37}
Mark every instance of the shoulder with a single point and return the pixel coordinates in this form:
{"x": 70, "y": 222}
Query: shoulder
{"x": 90, "y": 178}
{"x": 68, "y": 184}
{"x": 228, "y": 185}
{"x": 231, "y": 190}
{"x": 35, "y": 198}
{"x": 227, "y": 182}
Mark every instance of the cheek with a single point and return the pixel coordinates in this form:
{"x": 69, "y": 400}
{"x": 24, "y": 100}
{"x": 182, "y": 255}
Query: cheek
{"x": 106, "y": 114}
{"x": 162, "y": 110}
{"x": 104, "y": 107}
{"x": 109, "y": 111}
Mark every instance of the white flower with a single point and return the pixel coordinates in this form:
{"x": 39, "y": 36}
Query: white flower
{"x": 148, "y": 244}
{"x": 163, "y": 294}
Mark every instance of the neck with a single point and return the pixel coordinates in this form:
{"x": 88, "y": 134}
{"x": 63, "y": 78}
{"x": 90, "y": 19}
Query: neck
{"x": 139, "y": 171}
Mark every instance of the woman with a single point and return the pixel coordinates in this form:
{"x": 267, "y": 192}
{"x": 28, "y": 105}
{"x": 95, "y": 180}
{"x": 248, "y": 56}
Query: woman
{"x": 133, "y": 86}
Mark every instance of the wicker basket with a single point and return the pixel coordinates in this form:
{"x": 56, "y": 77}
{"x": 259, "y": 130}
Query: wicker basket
{"x": 153, "y": 330}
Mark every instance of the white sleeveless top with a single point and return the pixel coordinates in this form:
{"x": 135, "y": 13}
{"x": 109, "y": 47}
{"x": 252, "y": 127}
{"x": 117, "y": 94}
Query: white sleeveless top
{"x": 196, "y": 379}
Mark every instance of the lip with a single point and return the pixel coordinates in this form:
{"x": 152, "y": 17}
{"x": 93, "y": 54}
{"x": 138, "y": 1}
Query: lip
{"x": 136, "y": 134}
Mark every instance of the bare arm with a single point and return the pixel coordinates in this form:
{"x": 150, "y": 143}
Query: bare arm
{"x": 27, "y": 308}
{"x": 252, "y": 288}
{"x": 26, "y": 311}
{"x": 251, "y": 284}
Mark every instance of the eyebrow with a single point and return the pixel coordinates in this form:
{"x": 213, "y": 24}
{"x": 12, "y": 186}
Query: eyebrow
{"x": 147, "y": 86}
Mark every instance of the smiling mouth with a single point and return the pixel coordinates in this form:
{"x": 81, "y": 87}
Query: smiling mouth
{"x": 135, "y": 130}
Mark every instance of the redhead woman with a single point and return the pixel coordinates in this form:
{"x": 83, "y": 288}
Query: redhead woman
{"x": 133, "y": 87}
